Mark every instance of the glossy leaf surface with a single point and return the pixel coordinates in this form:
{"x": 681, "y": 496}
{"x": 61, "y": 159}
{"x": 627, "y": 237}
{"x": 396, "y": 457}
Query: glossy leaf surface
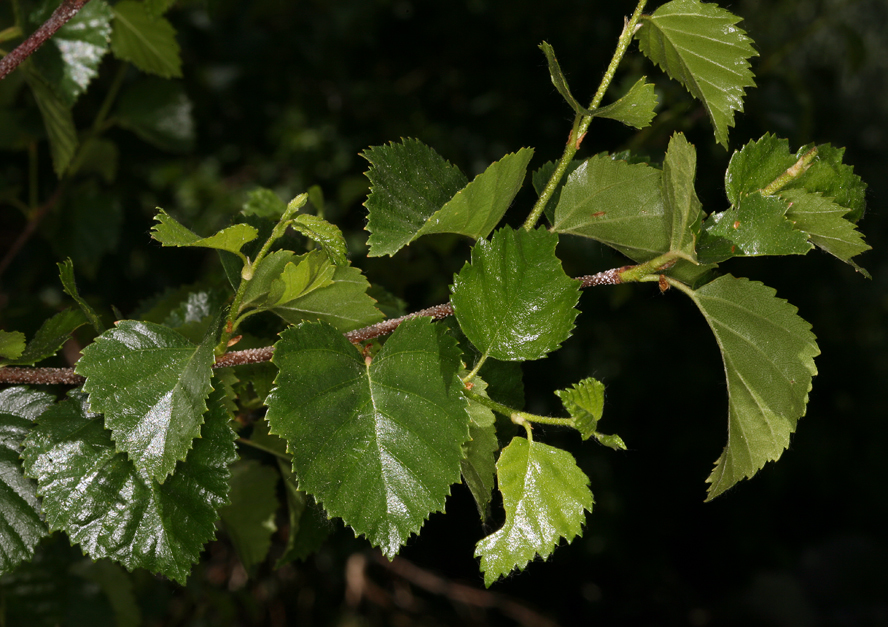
{"x": 152, "y": 384}
{"x": 546, "y": 497}
{"x": 513, "y": 300}
{"x": 409, "y": 183}
{"x": 327, "y": 235}
{"x": 377, "y": 444}
{"x": 112, "y": 509}
{"x": 249, "y": 515}
{"x": 146, "y": 41}
{"x": 618, "y": 204}
{"x": 584, "y": 401}
{"x": 768, "y": 352}
{"x": 699, "y": 45}
{"x": 477, "y": 208}
{"x": 21, "y": 523}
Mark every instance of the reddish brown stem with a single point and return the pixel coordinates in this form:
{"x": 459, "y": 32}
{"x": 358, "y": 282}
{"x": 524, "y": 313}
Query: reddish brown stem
{"x": 66, "y": 376}
{"x": 59, "y": 18}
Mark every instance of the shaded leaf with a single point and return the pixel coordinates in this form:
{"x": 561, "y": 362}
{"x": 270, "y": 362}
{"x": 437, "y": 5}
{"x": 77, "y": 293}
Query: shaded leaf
{"x": 768, "y": 352}
{"x": 559, "y": 81}
{"x": 409, "y": 183}
{"x": 545, "y": 496}
{"x": 58, "y": 121}
{"x": 584, "y": 401}
{"x": 513, "y": 300}
{"x": 169, "y": 232}
{"x": 99, "y": 156}
{"x": 618, "y": 204}
{"x": 146, "y": 41}
{"x": 681, "y": 206}
{"x": 249, "y": 515}
{"x": 112, "y": 509}
{"x": 377, "y": 444}
{"x": 309, "y": 527}
{"x": 757, "y": 226}
{"x": 264, "y": 203}
{"x": 159, "y": 112}
{"x": 479, "y": 465}
{"x": 87, "y": 226}
{"x": 477, "y": 208}
{"x": 69, "y": 285}
{"x": 21, "y": 524}
{"x": 700, "y": 46}
{"x": 152, "y": 385}
{"x": 12, "y": 345}
{"x": 322, "y": 232}
{"x": 50, "y": 338}
{"x": 635, "y": 109}
{"x": 541, "y": 178}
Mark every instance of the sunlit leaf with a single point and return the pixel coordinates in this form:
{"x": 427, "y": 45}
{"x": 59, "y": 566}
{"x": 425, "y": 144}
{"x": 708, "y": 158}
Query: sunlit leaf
{"x": 513, "y": 300}
{"x": 152, "y": 384}
{"x": 699, "y": 45}
{"x": 409, "y": 183}
{"x": 618, "y": 204}
{"x": 327, "y": 235}
{"x": 21, "y": 523}
{"x": 169, "y": 232}
{"x": 146, "y": 41}
{"x": 378, "y": 444}
{"x": 681, "y": 206}
{"x": 768, "y": 352}
{"x": 635, "y": 109}
{"x": 546, "y": 497}
{"x": 249, "y": 515}
{"x": 103, "y": 502}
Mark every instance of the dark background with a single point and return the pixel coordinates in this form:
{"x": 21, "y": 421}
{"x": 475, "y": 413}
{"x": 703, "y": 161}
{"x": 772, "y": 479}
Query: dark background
{"x": 286, "y": 94}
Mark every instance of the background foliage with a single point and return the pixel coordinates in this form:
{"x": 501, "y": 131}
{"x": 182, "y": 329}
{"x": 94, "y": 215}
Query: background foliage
{"x": 285, "y": 95}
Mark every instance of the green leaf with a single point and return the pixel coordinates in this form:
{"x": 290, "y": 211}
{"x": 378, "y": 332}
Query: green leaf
{"x": 635, "y": 109}
{"x": 826, "y": 225}
{"x": 834, "y": 179}
{"x": 560, "y": 81}
{"x": 72, "y": 57}
{"x": 69, "y": 285}
{"x": 103, "y": 502}
{"x": 99, "y": 156}
{"x": 541, "y": 178}
{"x": 113, "y": 581}
{"x": 477, "y": 208}
{"x": 768, "y": 352}
{"x": 700, "y": 46}
{"x": 158, "y": 7}
{"x": 756, "y": 165}
{"x": 327, "y": 235}
{"x": 169, "y": 232}
{"x": 21, "y": 523}
{"x": 479, "y": 465}
{"x": 87, "y": 225}
{"x": 159, "y": 112}
{"x": 545, "y": 496}
{"x": 58, "y": 121}
{"x": 757, "y": 226}
{"x": 313, "y": 271}
{"x": 12, "y": 345}
{"x": 152, "y": 384}
{"x": 146, "y": 41}
{"x": 377, "y": 444}
{"x": 264, "y": 203}
{"x": 618, "y": 204}
{"x": 249, "y": 515}
{"x": 584, "y": 401}
{"x": 49, "y": 339}
{"x": 513, "y": 300}
{"x": 681, "y": 206}
{"x": 409, "y": 183}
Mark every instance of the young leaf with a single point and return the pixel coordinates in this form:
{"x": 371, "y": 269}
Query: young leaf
{"x": 584, "y": 401}
{"x": 757, "y": 226}
{"x": 58, "y": 121}
{"x": 327, "y": 235}
{"x": 635, "y": 109}
{"x": 545, "y": 496}
{"x": 12, "y": 345}
{"x": 513, "y": 300}
{"x": 409, "y": 183}
{"x": 69, "y": 285}
{"x": 681, "y": 206}
{"x": 479, "y": 466}
{"x": 700, "y": 46}
{"x": 159, "y": 112}
{"x": 103, "y": 502}
{"x": 50, "y": 337}
{"x": 72, "y": 58}
{"x": 146, "y": 41}
{"x": 755, "y": 165}
{"x": 617, "y": 204}
{"x": 768, "y": 352}
{"x": 264, "y": 203}
{"x": 249, "y": 515}
{"x": 560, "y": 81}
{"x": 378, "y": 443}
{"x": 169, "y": 232}
{"x": 826, "y": 225}
{"x": 477, "y": 208}
{"x": 21, "y": 523}
{"x": 152, "y": 384}
{"x": 540, "y": 179}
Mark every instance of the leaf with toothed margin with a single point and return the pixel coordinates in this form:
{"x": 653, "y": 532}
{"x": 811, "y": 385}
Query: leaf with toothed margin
{"x": 103, "y": 502}
{"x": 377, "y": 442}
{"x": 546, "y": 497}
{"x": 49, "y": 339}
{"x": 169, "y": 232}
{"x": 152, "y": 384}
{"x": 768, "y": 352}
